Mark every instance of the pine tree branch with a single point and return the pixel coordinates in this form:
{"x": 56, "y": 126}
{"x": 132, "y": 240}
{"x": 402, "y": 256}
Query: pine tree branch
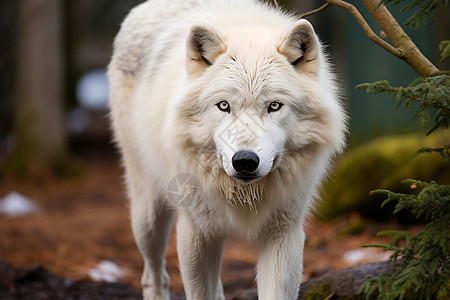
{"x": 399, "y": 39}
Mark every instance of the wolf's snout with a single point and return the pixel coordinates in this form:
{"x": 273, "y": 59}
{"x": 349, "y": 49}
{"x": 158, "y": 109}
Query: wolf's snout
{"x": 245, "y": 161}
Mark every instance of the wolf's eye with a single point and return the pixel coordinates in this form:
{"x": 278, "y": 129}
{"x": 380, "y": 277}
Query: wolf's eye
{"x": 224, "y": 106}
{"x": 274, "y": 106}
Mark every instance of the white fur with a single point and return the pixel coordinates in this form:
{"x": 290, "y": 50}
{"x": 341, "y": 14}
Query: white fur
{"x": 173, "y": 62}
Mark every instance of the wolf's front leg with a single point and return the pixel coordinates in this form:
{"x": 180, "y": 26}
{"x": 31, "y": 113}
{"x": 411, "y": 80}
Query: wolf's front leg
{"x": 152, "y": 221}
{"x": 151, "y": 227}
{"x": 200, "y": 261}
{"x": 280, "y": 262}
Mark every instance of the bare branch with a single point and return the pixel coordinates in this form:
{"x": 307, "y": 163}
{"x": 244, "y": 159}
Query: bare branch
{"x": 275, "y": 3}
{"x": 315, "y": 11}
{"x": 365, "y": 26}
{"x": 399, "y": 39}
{"x": 402, "y": 46}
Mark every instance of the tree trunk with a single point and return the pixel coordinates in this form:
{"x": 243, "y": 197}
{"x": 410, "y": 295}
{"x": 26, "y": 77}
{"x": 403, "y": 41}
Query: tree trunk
{"x": 39, "y": 86}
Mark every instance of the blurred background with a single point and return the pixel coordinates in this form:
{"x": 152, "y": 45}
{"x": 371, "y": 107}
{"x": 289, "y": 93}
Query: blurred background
{"x": 73, "y": 40}
{"x": 56, "y": 150}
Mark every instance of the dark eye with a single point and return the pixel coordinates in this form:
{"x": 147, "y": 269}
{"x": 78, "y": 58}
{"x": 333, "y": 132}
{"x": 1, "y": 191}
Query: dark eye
{"x": 274, "y": 106}
{"x": 224, "y": 106}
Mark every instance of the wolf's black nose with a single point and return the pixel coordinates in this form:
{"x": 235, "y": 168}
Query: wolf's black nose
{"x": 245, "y": 161}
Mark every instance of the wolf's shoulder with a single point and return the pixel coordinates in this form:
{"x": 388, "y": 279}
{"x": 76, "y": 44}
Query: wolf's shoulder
{"x": 144, "y": 28}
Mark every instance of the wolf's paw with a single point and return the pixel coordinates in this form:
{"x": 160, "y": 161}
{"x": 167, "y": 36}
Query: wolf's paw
{"x": 152, "y": 293}
{"x": 220, "y": 294}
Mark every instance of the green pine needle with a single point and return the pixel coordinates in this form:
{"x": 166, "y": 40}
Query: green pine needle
{"x": 444, "y": 47}
{"x": 422, "y": 261}
{"x": 423, "y": 268}
{"x": 423, "y": 10}
{"x": 431, "y": 95}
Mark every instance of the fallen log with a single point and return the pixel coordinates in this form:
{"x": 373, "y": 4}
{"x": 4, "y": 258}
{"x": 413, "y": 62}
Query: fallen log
{"x": 339, "y": 284}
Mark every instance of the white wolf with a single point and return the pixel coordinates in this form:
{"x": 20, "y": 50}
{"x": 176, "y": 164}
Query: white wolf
{"x": 238, "y": 95}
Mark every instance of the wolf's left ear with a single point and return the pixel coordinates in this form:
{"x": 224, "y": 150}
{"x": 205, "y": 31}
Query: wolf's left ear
{"x": 204, "y": 45}
{"x": 301, "y": 47}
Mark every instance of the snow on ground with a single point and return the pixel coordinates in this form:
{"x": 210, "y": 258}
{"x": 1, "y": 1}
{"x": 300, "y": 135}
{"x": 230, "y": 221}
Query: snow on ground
{"x": 367, "y": 255}
{"x": 106, "y": 271}
{"x": 15, "y": 204}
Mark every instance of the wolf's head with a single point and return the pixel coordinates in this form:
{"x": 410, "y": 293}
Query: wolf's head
{"x": 258, "y": 98}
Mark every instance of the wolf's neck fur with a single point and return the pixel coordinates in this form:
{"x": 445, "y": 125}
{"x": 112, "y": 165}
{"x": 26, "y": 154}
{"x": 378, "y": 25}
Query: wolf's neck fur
{"x": 245, "y": 196}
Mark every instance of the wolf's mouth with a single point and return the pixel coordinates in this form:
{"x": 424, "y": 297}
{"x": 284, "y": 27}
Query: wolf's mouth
{"x": 246, "y": 178}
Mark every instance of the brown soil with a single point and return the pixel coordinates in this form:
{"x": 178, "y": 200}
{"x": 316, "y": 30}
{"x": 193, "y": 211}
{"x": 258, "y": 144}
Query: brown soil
{"x": 85, "y": 220}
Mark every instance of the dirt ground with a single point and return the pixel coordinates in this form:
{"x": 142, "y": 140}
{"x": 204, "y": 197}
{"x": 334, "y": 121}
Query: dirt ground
{"x": 85, "y": 220}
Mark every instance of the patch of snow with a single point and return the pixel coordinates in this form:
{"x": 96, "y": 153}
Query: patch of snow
{"x": 106, "y": 271}
{"x": 366, "y": 255}
{"x": 92, "y": 90}
{"x": 15, "y": 204}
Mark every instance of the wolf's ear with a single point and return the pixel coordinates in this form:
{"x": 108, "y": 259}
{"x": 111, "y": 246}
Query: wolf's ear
{"x": 301, "y": 47}
{"x": 204, "y": 45}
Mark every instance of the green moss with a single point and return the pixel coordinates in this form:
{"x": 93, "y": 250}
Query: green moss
{"x": 381, "y": 164}
{"x": 325, "y": 292}
{"x": 318, "y": 294}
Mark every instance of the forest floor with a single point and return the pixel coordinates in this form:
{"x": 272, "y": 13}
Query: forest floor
{"x": 83, "y": 221}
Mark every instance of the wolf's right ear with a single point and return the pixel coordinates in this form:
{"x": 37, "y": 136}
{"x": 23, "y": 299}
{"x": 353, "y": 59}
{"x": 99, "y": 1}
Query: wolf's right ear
{"x": 301, "y": 47}
{"x": 204, "y": 45}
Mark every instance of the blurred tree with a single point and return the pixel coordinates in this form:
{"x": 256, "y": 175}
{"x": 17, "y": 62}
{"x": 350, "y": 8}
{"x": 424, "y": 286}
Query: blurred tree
{"x": 40, "y": 139}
